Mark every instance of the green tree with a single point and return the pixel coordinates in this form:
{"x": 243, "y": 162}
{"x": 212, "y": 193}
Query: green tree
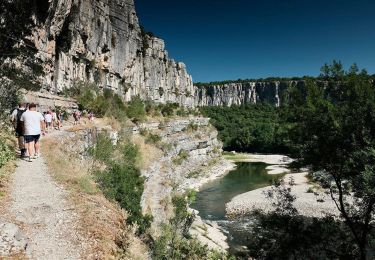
{"x": 335, "y": 133}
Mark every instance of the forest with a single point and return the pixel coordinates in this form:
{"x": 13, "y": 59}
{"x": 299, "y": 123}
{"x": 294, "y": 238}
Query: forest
{"x": 328, "y": 128}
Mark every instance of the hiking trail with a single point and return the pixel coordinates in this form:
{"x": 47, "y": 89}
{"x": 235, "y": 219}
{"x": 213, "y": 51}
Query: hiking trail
{"x": 41, "y": 206}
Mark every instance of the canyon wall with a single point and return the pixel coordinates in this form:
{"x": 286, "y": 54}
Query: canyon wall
{"x": 272, "y": 92}
{"x": 101, "y": 41}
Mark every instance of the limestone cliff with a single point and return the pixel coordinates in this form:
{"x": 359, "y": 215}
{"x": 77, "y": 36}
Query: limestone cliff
{"x": 101, "y": 41}
{"x": 272, "y": 92}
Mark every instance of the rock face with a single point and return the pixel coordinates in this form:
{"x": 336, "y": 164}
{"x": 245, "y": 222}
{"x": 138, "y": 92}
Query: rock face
{"x": 272, "y": 92}
{"x": 101, "y": 41}
{"x": 191, "y": 157}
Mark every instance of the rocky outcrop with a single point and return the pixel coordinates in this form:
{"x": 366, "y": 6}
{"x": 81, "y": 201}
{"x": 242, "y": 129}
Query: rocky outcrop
{"x": 272, "y": 92}
{"x": 47, "y": 101}
{"x": 102, "y": 42}
{"x": 191, "y": 157}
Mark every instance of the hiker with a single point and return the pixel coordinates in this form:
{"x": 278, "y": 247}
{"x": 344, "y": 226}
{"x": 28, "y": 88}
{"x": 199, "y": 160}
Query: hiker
{"x": 91, "y": 116}
{"x": 33, "y": 127}
{"x": 57, "y": 121}
{"x": 75, "y": 117}
{"x": 15, "y": 118}
{"x": 48, "y": 120}
{"x": 60, "y": 117}
{"x": 54, "y": 119}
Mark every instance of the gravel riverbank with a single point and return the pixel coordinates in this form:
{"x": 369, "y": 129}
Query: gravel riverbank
{"x": 312, "y": 203}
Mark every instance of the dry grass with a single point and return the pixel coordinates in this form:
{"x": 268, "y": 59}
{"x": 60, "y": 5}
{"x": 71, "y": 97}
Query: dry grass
{"x": 5, "y": 173}
{"x": 101, "y": 222}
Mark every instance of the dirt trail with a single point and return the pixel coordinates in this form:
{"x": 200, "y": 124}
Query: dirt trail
{"x": 41, "y": 206}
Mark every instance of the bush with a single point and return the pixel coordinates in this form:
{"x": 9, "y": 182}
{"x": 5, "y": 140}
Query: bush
{"x": 101, "y": 104}
{"x": 103, "y": 150}
{"x": 121, "y": 180}
{"x": 153, "y": 138}
{"x": 6, "y": 153}
{"x": 183, "y": 155}
{"x": 192, "y": 127}
{"x": 136, "y": 109}
{"x": 168, "y": 109}
{"x": 175, "y": 242}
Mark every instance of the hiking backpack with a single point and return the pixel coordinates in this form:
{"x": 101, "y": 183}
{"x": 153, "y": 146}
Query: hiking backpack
{"x": 19, "y": 123}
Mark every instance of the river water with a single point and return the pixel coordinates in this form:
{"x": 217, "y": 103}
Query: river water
{"x": 212, "y": 197}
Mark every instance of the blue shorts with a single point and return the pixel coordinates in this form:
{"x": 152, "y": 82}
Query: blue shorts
{"x": 31, "y": 138}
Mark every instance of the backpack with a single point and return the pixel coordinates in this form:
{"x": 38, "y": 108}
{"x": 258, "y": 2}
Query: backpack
{"x": 19, "y": 123}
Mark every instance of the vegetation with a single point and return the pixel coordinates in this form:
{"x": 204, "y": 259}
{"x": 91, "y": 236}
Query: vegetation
{"x": 175, "y": 241}
{"x": 6, "y": 154}
{"x": 181, "y": 157}
{"x": 121, "y": 179}
{"x": 250, "y": 128}
{"x": 332, "y": 131}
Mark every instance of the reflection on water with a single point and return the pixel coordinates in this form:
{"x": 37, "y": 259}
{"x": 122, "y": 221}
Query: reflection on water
{"x": 211, "y": 200}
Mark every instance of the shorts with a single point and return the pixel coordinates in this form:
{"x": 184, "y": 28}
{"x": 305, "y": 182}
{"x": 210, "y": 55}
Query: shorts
{"x": 31, "y": 138}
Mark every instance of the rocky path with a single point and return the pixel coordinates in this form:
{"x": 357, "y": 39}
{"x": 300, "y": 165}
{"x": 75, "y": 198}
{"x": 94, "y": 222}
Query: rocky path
{"x": 39, "y": 204}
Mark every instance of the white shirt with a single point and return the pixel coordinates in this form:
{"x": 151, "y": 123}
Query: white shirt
{"x": 32, "y": 121}
{"x": 48, "y": 118}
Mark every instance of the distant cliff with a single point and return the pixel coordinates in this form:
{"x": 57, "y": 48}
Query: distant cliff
{"x": 272, "y": 92}
{"x": 101, "y": 41}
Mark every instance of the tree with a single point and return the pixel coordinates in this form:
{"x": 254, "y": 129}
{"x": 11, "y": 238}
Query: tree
{"x": 336, "y": 133}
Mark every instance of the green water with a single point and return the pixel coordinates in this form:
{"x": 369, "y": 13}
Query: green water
{"x": 212, "y": 197}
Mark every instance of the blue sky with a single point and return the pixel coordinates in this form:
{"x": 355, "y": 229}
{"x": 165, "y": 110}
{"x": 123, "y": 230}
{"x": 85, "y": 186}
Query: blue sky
{"x": 220, "y": 40}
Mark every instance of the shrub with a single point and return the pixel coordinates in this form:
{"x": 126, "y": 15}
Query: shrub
{"x": 136, "y": 109}
{"x": 101, "y": 104}
{"x": 153, "y": 138}
{"x": 168, "y": 109}
{"x": 183, "y": 155}
{"x": 192, "y": 127}
{"x": 121, "y": 180}
{"x": 175, "y": 242}
{"x": 6, "y": 153}
{"x": 103, "y": 149}
{"x": 143, "y": 131}
{"x": 193, "y": 174}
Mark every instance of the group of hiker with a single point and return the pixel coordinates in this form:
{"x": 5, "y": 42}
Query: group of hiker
{"x": 29, "y": 124}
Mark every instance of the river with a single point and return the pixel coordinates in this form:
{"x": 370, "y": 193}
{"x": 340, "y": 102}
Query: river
{"x": 212, "y": 197}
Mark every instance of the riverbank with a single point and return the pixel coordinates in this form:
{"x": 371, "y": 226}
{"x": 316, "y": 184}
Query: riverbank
{"x": 310, "y": 200}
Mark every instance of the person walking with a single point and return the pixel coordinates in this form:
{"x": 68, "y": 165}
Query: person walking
{"x": 15, "y": 118}
{"x": 48, "y": 118}
{"x": 54, "y": 119}
{"x": 33, "y": 127}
